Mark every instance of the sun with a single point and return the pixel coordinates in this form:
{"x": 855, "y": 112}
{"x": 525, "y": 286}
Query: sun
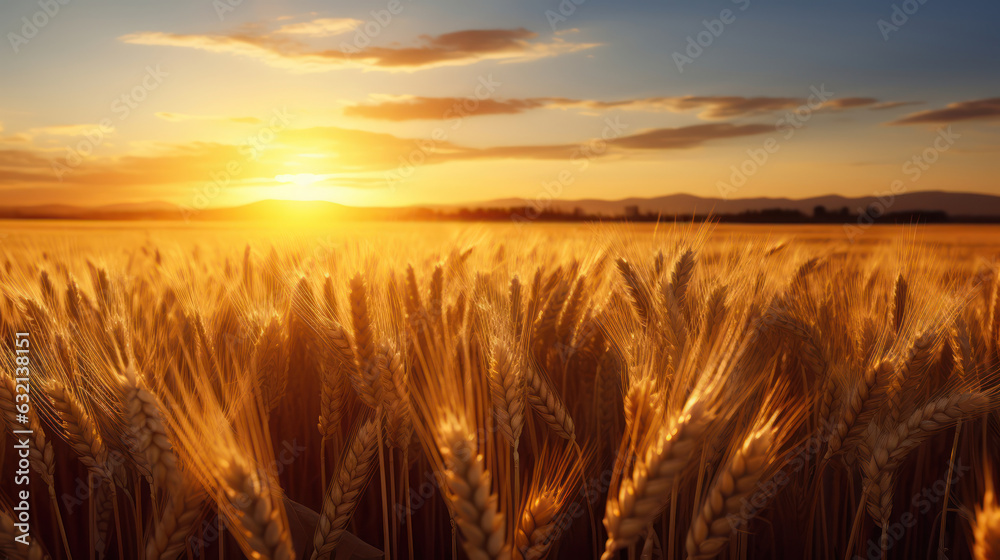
{"x": 300, "y": 186}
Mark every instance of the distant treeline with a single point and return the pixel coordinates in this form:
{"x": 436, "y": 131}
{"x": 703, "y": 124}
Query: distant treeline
{"x": 765, "y": 216}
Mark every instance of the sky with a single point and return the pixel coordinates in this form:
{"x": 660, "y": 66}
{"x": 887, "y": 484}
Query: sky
{"x": 399, "y": 102}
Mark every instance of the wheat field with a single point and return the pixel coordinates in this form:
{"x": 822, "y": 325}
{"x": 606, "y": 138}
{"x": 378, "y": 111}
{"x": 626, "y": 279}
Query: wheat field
{"x": 500, "y": 392}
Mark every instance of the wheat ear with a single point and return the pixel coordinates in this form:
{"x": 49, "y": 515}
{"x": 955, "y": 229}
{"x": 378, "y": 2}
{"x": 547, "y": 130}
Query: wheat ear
{"x": 549, "y": 406}
{"x": 345, "y": 491}
{"x": 536, "y": 528}
{"x": 640, "y": 298}
{"x": 470, "y": 495}
{"x": 81, "y": 431}
{"x": 860, "y": 407}
{"x": 168, "y": 539}
{"x": 332, "y": 393}
{"x": 331, "y": 399}
{"x": 712, "y": 527}
{"x": 270, "y": 363}
{"x": 891, "y": 446}
{"x": 152, "y": 439}
{"x": 260, "y": 522}
{"x": 507, "y": 390}
{"x": 645, "y": 492}
{"x": 395, "y": 387}
{"x": 14, "y": 549}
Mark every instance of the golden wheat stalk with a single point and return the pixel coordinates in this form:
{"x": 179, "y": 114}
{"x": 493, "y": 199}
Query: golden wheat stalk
{"x": 182, "y": 510}
{"x": 261, "y": 525}
{"x": 13, "y": 549}
{"x": 936, "y": 415}
{"x": 549, "y": 406}
{"x": 396, "y": 390}
{"x": 331, "y": 399}
{"x": 644, "y": 493}
{"x": 79, "y": 429}
{"x": 890, "y": 446}
{"x": 153, "y": 442}
{"x": 640, "y": 298}
{"x": 536, "y": 528}
{"x": 470, "y": 494}
{"x": 269, "y": 361}
{"x": 506, "y": 382}
{"x": 345, "y": 490}
{"x": 860, "y": 407}
{"x": 713, "y": 525}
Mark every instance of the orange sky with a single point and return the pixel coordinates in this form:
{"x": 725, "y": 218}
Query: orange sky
{"x": 401, "y": 103}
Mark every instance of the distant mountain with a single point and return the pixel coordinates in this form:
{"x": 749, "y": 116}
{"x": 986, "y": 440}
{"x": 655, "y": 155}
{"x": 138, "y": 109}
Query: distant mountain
{"x": 125, "y": 210}
{"x": 955, "y": 205}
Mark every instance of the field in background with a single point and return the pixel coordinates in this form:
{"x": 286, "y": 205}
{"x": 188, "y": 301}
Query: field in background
{"x": 498, "y": 391}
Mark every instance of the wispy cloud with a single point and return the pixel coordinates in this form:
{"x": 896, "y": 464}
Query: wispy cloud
{"x": 843, "y": 103}
{"x": 323, "y": 27}
{"x": 892, "y": 105}
{"x": 450, "y": 49}
{"x": 401, "y": 108}
{"x": 349, "y": 154}
{"x": 405, "y": 108}
{"x": 689, "y": 136}
{"x": 979, "y": 109}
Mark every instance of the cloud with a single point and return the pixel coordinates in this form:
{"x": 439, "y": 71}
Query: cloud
{"x": 181, "y": 117}
{"x": 892, "y": 105}
{"x": 843, "y": 103}
{"x": 454, "y": 49}
{"x": 710, "y": 107}
{"x": 434, "y": 108}
{"x": 979, "y": 109}
{"x": 401, "y": 108}
{"x": 689, "y": 136}
{"x": 349, "y": 155}
{"x": 659, "y": 139}
{"x": 324, "y": 27}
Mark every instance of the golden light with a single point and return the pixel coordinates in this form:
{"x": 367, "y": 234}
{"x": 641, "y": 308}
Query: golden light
{"x": 300, "y": 186}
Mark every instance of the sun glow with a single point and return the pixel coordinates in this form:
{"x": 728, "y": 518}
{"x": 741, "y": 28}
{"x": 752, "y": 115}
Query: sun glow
{"x": 301, "y": 186}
